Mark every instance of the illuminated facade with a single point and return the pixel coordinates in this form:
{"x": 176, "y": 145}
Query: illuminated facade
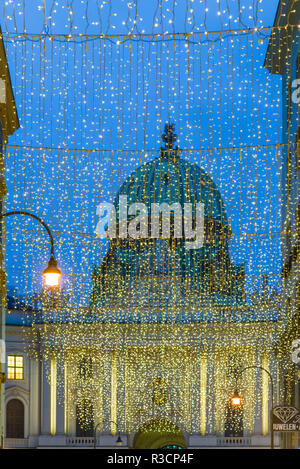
{"x": 162, "y": 344}
{"x": 283, "y": 58}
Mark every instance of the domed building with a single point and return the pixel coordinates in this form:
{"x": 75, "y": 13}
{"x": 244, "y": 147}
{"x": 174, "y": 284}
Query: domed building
{"x": 206, "y": 271}
{"x": 181, "y": 321}
{"x": 160, "y": 351}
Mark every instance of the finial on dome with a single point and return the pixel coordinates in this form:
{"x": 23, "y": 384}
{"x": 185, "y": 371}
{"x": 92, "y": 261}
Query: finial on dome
{"x": 169, "y": 138}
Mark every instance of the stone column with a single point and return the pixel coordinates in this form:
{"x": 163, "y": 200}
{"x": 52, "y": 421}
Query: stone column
{"x": 46, "y": 402}
{"x": 265, "y": 396}
{"x": 60, "y": 410}
{"x": 34, "y": 407}
{"x": 203, "y": 393}
{"x": 52, "y": 411}
{"x": 113, "y": 409}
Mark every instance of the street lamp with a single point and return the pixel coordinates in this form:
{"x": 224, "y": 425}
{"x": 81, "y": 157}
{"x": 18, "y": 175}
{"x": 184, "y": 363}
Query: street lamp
{"x": 119, "y": 440}
{"x": 51, "y": 274}
{"x": 237, "y": 401}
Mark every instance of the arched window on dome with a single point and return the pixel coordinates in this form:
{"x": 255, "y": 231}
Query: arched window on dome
{"x": 15, "y": 419}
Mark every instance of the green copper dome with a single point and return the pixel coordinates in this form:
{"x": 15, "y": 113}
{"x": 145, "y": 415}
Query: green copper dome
{"x": 169, "y": 179}
{"x": 206, "y": 268}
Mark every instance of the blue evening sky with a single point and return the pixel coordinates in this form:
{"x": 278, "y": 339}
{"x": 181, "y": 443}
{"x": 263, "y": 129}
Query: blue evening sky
{"x": 93, "y": 108}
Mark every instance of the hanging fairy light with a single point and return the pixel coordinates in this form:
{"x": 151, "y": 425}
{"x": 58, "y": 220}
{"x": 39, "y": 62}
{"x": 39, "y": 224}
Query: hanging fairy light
{"x": 236, "y": 399}
{"x": 93, "y": 100}
{"x": 52, "y": 274}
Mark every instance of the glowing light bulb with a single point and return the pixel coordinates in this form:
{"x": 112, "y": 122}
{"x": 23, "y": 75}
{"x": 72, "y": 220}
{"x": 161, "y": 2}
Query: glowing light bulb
{"x": 236, "y": 400}
{"x": 52, "y": 273}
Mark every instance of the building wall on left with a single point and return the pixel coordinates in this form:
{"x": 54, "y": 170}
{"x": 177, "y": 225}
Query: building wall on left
{"x": 9, "y": 123}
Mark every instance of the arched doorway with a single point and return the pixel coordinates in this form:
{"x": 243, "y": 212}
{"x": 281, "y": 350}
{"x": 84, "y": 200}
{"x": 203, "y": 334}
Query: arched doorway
{"x": 85, "y": 419}
{"x": 15, "y": 419}
{"x": 159, "y": 433}
{"x": 234, "y": 421}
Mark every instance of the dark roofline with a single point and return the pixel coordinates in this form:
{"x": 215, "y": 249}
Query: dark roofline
{"x": 282, "y": 35}
{"x": 273, "y": 46}
{"x": 8, "y": 111}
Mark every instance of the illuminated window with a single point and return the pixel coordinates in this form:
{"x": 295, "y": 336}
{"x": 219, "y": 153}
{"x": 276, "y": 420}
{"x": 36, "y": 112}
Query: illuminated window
{"x": 15, "y": 367}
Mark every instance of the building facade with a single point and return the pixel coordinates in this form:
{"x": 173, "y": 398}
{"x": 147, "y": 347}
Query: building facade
{"x": 283, "y": 58}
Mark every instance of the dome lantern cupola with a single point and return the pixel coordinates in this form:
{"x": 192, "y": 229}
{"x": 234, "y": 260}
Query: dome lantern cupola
{"x": 165, "y": 181}
{"x": 169, "y": 138}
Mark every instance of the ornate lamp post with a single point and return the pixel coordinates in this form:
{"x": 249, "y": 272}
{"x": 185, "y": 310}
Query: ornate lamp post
{"x": 119, "y": 440}
{"x": 236, "y": 400}
{"x": 51, "y": 275}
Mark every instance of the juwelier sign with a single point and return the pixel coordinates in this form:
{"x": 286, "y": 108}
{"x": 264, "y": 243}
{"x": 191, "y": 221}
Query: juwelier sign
{"x": 286, "y": 419}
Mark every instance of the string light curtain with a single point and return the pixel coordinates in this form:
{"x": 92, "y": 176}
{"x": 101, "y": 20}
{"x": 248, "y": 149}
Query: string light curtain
{"x": 93, "y": 108}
